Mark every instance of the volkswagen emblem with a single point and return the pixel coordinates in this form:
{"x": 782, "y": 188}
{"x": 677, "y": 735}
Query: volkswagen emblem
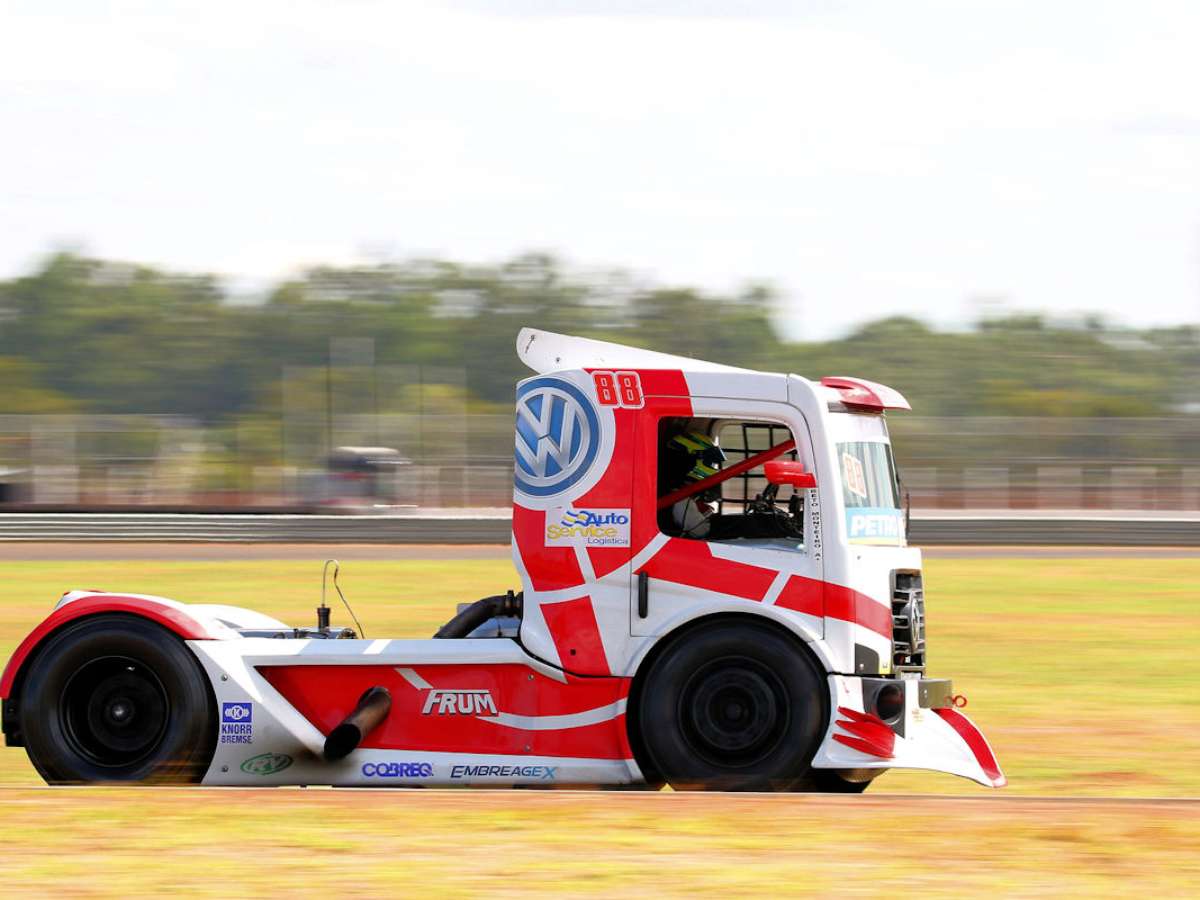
{"x": 558, "y": 435}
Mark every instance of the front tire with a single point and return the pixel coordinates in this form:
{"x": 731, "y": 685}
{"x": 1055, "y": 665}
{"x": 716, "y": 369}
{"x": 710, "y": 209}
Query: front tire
{"x": 736, "y": 706}
{"x": 117, "y": 698}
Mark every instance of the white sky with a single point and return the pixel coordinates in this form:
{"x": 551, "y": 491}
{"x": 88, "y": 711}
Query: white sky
{"x": 868, "y": 158}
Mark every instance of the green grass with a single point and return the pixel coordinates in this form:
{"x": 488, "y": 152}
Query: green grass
{"x": 1077, "y": 670}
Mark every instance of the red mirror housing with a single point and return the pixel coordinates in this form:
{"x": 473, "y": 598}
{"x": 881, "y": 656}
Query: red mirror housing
{"x": 788, "y": 471}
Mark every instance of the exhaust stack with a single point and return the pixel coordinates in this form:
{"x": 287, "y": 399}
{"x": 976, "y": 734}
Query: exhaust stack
{"x": 373, "y": 707}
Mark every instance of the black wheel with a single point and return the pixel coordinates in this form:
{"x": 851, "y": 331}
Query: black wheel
{"x": 117, "y": 698}
{"x": 734, "y": 706}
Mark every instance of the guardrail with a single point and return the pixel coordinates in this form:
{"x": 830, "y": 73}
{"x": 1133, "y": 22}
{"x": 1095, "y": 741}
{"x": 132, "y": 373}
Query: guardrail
{"x": 475, "y": 528}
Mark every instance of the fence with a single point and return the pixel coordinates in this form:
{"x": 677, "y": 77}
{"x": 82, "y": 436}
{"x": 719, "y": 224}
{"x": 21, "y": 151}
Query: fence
{"x": 475, "y": 528}
{"x": 1060, "y": 463}
{"x": 462, "y": 460}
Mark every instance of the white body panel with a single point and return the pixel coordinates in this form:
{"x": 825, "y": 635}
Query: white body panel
{"x": 929, "y": 743}
{"x": 545, "y": 351}
{"x": 279, "y": 729}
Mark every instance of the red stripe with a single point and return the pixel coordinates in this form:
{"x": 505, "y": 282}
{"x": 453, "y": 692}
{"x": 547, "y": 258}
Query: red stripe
{"x": 576, "y": 634}
{"x": 664, "y": 383}
{"x": 851, "y": 606}
{"x": 549, "y": 568}
{"x": 975, "y": 740}
{"x": 805, "y": 595}
{"x": 691, "y": 563}
{"x": 168, "y": 616}
{"x": 863, "y": 745}
{"x": 614, "y": 489}
{"x": 819, "y": 598}
{"x": 871, "y": 734}
{"x": 606, "y": 560}
{"x": 325, "y": 695}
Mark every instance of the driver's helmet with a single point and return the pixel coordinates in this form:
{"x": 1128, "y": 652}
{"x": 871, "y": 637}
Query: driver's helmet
{"x": 703, "y": 456}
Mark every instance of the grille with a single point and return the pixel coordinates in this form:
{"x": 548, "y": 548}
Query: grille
{"x": 908, "y": 623}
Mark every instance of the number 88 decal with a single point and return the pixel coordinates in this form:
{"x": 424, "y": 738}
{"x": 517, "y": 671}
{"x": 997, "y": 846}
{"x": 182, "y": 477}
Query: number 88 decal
{"x": 618, "y": 389}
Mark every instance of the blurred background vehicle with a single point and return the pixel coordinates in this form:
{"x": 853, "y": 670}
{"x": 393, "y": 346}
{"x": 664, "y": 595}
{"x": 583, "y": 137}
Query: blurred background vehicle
{"x": 360, "y": 479}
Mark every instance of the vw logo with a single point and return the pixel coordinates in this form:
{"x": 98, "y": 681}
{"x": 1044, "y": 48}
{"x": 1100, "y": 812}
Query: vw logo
{"x": 558, "y": 434}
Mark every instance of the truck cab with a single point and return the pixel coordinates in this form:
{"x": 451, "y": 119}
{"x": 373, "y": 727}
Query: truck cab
{"x": 799, "y": 528}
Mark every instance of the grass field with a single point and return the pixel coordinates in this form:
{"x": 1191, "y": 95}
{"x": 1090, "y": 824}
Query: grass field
{"x": 1077, "y": 670}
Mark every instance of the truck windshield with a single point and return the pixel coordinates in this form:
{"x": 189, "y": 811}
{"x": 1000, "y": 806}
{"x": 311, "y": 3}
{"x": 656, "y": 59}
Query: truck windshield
{"x": 870, "y": 492}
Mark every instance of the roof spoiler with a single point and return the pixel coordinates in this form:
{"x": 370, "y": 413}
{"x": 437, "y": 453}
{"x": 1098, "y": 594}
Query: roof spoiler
{"x": 545, "y": 351}
{"x": 858, "y": 393}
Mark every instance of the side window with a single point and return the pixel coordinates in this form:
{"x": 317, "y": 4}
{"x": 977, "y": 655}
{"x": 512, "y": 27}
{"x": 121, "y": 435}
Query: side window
{"x": 742, "y": 440}
{"x": 697, "y": 502}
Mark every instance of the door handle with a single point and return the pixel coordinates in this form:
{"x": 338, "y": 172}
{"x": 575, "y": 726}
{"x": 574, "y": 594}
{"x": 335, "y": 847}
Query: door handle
{"x": 643, "y": 595}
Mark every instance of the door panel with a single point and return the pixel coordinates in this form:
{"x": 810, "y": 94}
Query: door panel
{"x": 687, "y": 574}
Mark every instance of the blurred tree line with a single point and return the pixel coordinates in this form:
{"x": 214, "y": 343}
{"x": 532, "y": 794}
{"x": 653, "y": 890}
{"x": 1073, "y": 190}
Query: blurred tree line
{"x": 89, "y": 335}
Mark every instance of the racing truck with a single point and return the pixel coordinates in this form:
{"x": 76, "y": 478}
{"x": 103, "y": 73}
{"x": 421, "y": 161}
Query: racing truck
{"x": 754, "y": 623}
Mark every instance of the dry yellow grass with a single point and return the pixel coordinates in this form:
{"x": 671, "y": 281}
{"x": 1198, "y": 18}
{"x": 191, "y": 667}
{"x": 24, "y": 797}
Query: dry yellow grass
{"x": 293, "y": 842}
{"x": 1076, "y": 670}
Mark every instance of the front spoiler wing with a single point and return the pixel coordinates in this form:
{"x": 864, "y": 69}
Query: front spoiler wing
{"x": 939, "y": 739}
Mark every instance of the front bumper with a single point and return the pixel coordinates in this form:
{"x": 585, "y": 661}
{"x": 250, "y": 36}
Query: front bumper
{"x": 928, "y": 733}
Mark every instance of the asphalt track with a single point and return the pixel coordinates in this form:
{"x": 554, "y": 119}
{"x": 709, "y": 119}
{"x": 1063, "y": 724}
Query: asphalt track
{"x": 64, "y": 551}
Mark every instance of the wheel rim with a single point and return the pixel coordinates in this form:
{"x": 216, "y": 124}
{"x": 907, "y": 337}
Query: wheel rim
{"x": 114, "y": 711}
{"x": 733, "y": 711}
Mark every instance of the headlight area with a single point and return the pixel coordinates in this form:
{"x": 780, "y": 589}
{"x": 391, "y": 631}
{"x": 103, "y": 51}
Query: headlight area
{"x": 891, "y": 698}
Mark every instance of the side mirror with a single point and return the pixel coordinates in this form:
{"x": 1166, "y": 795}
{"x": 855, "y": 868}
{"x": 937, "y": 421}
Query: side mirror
{"x": 788, "y": 471}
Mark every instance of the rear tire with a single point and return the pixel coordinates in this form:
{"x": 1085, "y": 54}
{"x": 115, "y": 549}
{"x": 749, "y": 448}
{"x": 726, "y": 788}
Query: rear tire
{"x": 734, "y": 707}
{"x": 117, "y": 698}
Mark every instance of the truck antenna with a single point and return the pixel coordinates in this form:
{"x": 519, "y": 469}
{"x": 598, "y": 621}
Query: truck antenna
{"x": 323, "y": 609}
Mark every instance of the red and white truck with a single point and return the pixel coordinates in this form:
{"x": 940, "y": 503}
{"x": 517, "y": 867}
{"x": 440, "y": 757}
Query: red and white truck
{"x": 717, "y": 593}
